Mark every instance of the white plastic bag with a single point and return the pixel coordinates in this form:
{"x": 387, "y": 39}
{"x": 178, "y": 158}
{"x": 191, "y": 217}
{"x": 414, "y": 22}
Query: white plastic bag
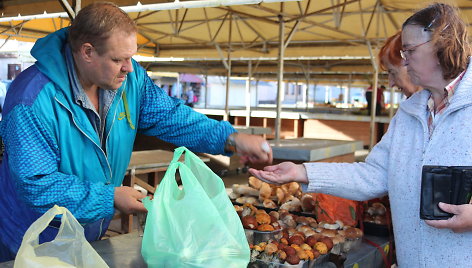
{"x": 68, "y": 249}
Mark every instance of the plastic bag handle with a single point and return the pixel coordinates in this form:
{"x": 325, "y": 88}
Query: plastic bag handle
{"x": 168, "y": 186}
{"x": 179, "y": 151}
{"x": 32, "y": 234}
{"x": 187, "y": 182}
{"x": 171, "y": 170}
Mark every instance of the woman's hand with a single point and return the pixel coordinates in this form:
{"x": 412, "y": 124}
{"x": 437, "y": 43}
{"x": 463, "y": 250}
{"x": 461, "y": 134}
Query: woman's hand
{"x": 459, "y": 223}
{"x": 282, "y": 173}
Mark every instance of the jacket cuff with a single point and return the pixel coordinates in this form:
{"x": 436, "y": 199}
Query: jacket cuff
{"x": 108, "y": 201}
{"x": 319, "y": 181}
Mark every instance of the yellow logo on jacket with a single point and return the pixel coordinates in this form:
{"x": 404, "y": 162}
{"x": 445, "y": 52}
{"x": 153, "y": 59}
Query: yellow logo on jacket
{"x": 121, "y": 115}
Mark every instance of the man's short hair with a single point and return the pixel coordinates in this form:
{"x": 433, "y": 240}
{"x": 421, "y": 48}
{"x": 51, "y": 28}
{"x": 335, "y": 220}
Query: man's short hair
{"x": 95, "y": 23}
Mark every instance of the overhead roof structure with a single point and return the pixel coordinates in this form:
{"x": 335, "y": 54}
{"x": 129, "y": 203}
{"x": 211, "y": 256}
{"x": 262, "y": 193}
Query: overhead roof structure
{"x": 325, "y": 40}
{"x": 314, "y": 41}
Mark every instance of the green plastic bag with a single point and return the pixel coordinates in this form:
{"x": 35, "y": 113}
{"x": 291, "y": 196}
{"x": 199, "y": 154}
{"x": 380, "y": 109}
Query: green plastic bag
{"x": 195, "y": 226}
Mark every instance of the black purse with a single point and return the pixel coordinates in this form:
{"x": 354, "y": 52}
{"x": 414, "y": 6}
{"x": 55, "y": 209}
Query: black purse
{"x": 452, "y": 185}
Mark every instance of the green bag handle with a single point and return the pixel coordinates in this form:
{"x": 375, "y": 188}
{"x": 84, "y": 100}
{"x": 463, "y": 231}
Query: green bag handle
{"x": 170, "y": 184}
{"x": 178, "y": 153}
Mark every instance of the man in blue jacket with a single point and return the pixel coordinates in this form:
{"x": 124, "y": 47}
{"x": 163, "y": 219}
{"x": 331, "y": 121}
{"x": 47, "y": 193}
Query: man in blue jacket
{"x": 70, "y": 121}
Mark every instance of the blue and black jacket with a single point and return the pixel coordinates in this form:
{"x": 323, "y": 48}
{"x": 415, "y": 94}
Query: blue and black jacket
{"x": 54, "y": 156}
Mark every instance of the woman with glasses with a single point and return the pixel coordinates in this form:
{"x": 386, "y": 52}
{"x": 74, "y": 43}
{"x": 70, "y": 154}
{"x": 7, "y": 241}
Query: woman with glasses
{"x": 432, "y": 127}
{"x": 391, "y": 61}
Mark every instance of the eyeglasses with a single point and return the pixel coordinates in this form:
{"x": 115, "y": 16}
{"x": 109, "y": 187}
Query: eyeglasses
{"x": 403, "y": 52}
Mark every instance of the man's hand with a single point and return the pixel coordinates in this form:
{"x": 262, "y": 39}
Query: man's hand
{"x": 252, "y": 148}
{"x": 127, "y": 200}
{"x": 282, "y": 173}
{"x": 459, "y": 223}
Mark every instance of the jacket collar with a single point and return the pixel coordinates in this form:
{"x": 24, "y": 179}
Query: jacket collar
{"x": 49, "y": 53}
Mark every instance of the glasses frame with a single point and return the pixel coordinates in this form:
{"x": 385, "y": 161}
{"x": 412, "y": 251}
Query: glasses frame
{"x": 403, "y": 52}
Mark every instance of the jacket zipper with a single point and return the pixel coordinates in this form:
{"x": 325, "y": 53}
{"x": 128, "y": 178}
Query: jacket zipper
{"x": 447, "y": 113}
{"x": 425, "y": 145}
{"x": 113, "y": 123}
{"x": 425, "y": 133}
{"x": 73, "y": 120}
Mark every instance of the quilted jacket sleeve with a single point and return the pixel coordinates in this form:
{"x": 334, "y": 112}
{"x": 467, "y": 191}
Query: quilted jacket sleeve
{"x": 33, "y": 159}
{"x": 170, "y": 120}
{"x": 355, "y": 181}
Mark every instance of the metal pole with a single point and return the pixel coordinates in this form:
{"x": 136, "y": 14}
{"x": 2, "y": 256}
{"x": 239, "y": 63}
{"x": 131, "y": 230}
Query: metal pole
{"x": 346, "y": 94}
{"x": 374, "y": 97}
{"x": 280, "y": 77}
{"x": 78, "y": 6}
{"x": 307, "y": 78}
{"x": 314, "y": 95}
{"x": 177, "y": 90}
{"x": 257, "y": 92}
{"x": 248, "y": 94}
{"x": 392, "y": 102}
{"x": 228, "y": 77}
{"x": 349, "y": 86}
{"x": 206, "y": 90}
{"x": 373, "y": 109}
{"x": 307, "y": 94}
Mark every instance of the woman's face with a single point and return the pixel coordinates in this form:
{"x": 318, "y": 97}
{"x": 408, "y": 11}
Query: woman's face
{"x": 398, "y": 77}
{"x": 420, "y": 57}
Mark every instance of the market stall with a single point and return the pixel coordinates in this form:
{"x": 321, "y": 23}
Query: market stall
{"x": 125, "y": 251}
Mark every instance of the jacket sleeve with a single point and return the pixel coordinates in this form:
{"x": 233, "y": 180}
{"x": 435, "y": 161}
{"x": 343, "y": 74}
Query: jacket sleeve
{"x": 355, "y": 181}
{"x": 33, "y": 160}
{"x": 169, "y": 119}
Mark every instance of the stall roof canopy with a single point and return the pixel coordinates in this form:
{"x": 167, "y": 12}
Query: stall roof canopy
{"x": 325, "y": 40}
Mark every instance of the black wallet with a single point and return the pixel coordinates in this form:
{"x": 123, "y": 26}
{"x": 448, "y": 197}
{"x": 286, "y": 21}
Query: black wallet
{"x": 447, "y": 184}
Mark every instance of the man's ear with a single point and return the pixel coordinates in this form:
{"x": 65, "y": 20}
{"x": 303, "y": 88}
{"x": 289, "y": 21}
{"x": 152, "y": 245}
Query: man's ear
{"x": 86, "y": 50}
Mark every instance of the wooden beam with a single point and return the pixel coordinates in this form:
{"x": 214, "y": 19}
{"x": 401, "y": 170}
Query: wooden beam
{"x": 182, "y": 20}
{"x": 253, "y": 29}
{"x": 372, "y": 16}
{"x": 322, "y": 10}
{"x": 208, "y": 26}
{"x": 290, "y": 35}
{"x": 305, "y": 20}
{"x": 219, "y": 28}
{"x": 265, "y": 19}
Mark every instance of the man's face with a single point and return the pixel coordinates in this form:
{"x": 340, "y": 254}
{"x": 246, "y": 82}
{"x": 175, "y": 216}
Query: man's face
{"x": 109, "y": 70}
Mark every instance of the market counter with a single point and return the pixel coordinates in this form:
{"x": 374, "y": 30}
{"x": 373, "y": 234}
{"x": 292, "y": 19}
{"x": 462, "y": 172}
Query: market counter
{"x": 124, "y": 251}
{"x": 313, "y": 150}
{"x": 253, "y": 130}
